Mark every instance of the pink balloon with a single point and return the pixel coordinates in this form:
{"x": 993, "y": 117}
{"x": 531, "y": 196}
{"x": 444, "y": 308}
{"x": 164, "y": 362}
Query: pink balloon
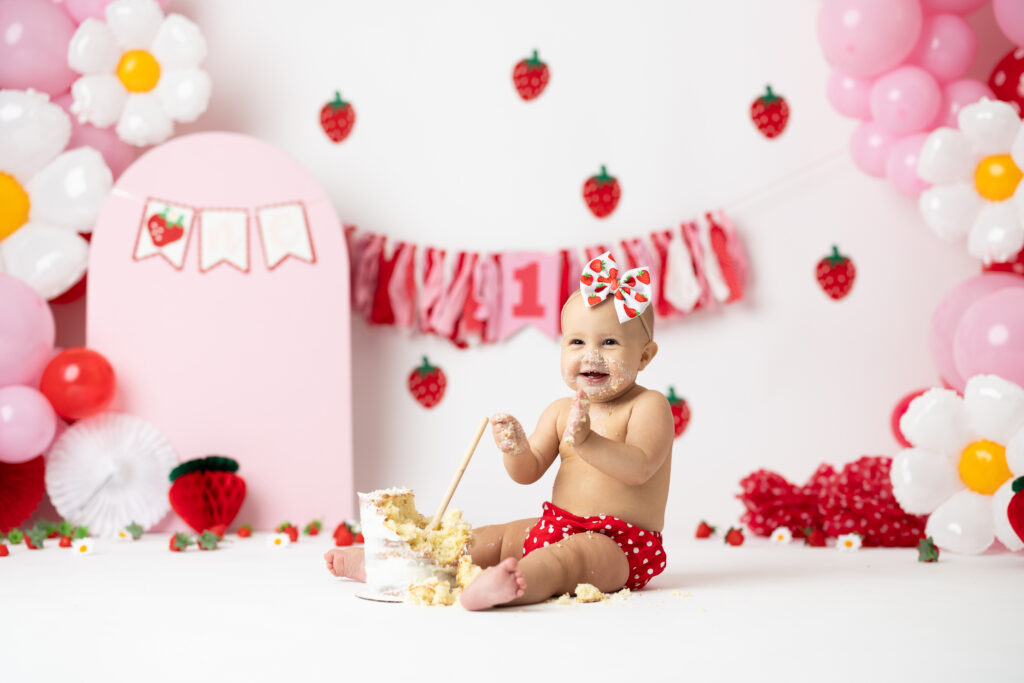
{"x": 81, "y": 10}
{"x": 869, "y": 148}
{"x": 955, "y": 6}
{"x": 990, "y": 337}
{"x": 867, "y": 37}
{"x": 957, "y": 95}
{"x": 901, "y": 166}
{"x": 117, "y": 153}
{"x": 27, "y": 424}
{"x": 34, "y": 38}
{"x": 850, "y": 96}
{"x": 1010, "y": 17}
{"x": 27, "y": 332}
{"x": 947, "y": 315}
{"x": 905, "y": 100}
{"x": 946, "y": 48}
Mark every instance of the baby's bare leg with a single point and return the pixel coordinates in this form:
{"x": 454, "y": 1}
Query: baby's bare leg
{"x": 495, "y": 542}
{"x": 347, "y": 562}
{"x": 551, "y": 570}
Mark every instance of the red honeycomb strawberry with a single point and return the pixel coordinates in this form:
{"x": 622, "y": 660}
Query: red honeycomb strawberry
{"x": 1007, "y": 77}
{"x": 680, "y": 411}
{"x": 206, "y": 492}
{"x": 530, "y": 76}
{"x": 337, "y": 118}
{"x": 770, "y": 113}
{"x": 601, "y": 193}
{"x": 836, "y": 274}
{"x": 427, "y": 384}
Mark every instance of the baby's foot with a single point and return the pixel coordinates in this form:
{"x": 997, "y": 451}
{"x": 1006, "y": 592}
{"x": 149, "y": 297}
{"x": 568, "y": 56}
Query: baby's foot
{"x": 494, "y": 586}
{"x": 349, "y": 563}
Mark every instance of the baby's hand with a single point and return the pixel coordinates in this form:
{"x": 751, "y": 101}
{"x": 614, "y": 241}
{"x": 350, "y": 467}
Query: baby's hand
{"x": 577, "y": 426}
{"x": 508, "y": 434}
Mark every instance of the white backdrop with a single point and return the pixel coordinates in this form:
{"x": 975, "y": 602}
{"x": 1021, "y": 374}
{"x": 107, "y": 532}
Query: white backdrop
{"x": 444, "y": 152}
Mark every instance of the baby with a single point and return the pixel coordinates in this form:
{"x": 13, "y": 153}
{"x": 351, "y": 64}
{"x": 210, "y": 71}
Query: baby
{"x": 614, "y": 438}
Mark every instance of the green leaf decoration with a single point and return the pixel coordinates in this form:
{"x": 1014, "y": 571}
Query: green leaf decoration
{"x": 65, "y": 528}
{"x": 208, "y": 540}
{"x": 37, "y": 535}
{"x": 926, "y": 550}
{"x": 282, "y": 526}
{"x": 81, "y": 532}
{"x": 218, "y": 463}
{"x": 135, "y": 530}
{"x": 15, "y": 536}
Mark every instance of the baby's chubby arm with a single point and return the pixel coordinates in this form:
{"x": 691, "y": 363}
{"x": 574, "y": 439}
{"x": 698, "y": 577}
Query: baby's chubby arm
{"x": 648, "y": 443}
{"x": 526, "y": 460}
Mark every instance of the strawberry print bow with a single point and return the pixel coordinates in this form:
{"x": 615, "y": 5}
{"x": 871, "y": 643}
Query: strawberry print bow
{"x": 632, "y": 291}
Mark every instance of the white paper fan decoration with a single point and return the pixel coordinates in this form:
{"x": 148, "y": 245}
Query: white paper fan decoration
{"x": 110, "y": 470}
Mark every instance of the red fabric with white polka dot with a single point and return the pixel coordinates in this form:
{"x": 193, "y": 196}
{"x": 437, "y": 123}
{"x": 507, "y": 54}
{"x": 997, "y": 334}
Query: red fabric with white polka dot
{"x": 643, "y": 548}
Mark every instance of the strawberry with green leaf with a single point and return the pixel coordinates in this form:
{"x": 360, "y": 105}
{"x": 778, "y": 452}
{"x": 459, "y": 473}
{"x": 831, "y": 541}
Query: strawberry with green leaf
{"x": 208, "y": 540}
{"x": 601, "y": 193}
{"x": 290, "y": 529}
{"x": 180, "y": 541}
{"x": 244, "y": 531}
{"x": 680, "y": 412}
{"x": 135, "y": 530}
{"x": 15, "y": 536}
{"x": 313, "y": 528}
{"x": 927, "y": 551}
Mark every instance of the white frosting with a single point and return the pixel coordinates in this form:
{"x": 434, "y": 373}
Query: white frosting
{"x": 391, "y": 566}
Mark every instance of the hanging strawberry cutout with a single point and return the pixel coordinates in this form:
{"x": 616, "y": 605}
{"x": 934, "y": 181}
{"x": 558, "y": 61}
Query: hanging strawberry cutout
{"x": 530, "y": 76}
{"x": 1015, "y": 510}
{"x": 206, "y": 492}
{"x": 836, "y": 274}
{"x": 427, "y": 384}
{"x": 601, "y": 193}
{"x": 337, "y": 118}
{"x": 680, "y": 411}
{"x": 770, "y": 113}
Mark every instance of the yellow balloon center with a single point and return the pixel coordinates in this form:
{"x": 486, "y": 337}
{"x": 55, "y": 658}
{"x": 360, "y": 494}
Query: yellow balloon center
{"x": 14, "y": 205}
{"x": 138, "y": 70}
{"x": 996, "y": 177}
{"x": 983, "y": 467}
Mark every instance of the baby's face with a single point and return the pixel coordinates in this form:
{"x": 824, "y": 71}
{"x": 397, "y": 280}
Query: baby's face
{"x": 600, "y": 355}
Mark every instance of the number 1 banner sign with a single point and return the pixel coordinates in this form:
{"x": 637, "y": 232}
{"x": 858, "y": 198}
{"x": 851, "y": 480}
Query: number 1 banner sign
{"x": 530, "y": 296}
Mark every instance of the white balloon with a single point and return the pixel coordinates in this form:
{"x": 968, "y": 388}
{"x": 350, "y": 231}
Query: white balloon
{"x": 937, "y": 421}
{"x": 990, "y": 125}
{"x": 144, "y": 121}
{"x": 71, "y": 189}
{"x": 179, "y": 44}
{"x": 922, "y": 480}
{"x": 997, "y": 234}
{"x": 950, "y": 210}
{"x": 134, "y": 22}
{"x": 963, "y": 524}
{"x": 50, "y": 259}
{"x": 184, "y": 94}
{"x": 995, "y": 407}
{"x": 1001, "y": 520}
{"x": 98, "y": 99}
{"x": 93, "y": 48}
{"x": 946, "y": 157}
{"x": 1015, "y": 453}
{"x": 32, "y": 132}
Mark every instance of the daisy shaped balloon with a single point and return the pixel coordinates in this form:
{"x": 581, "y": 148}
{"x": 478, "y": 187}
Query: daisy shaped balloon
{"x": 47, "y": 195}
{"x": 961, "y": 467}
{"x": 975, "y": 171}
{"x": 139, "y": 70}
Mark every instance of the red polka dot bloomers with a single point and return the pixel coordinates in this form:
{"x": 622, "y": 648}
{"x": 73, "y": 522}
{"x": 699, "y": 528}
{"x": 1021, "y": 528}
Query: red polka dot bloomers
{"x": 643, "y": 548}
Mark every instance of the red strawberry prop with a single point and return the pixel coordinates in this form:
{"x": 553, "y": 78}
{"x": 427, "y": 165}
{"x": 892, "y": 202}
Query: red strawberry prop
{"x": 601, "y": 193}
{"x": 218, "y": 529}
{"x": 927, "y": 551}
{"x": 680, "y": 411}
{"x": 163, "y": 233}
{"x": 337, "y": 118}
{"x": 359, "y": 538}
{"x": 313, "y": 528}
{"x": 244, "y": 531}
{"x": 65, "y": 542}
{"x": 770, "y": 113}
{"x": 179, "y": 542}
{"x": 836, "y": 274}
{"x": 734, "y": 536}
{"x": 704, "y": 530}
{"x": 530, "y": 76}
{"x": 427, "y": 384}
{"x": 290, "y": 529}
{"x": 343, "y": 535}
{"x": 1015, "y": 510}
{"x": 1005, "y": 79}
{"x": 206, "y": 492}
{"x": 4, "y": 552}
{"x": 208, "y": 540}
{"x": 814, "y": 537}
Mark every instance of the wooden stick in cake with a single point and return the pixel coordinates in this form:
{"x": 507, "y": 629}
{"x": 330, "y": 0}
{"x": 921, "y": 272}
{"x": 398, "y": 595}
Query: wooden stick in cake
{"x": 436, "y": 521}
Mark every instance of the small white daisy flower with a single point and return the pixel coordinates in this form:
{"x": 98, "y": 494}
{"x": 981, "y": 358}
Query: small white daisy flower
{"x": 782, "y": 535}
{"x": 279, "y": 540}
{"x": 849, "y": 542}
{"x": 123, "y": 535}
{"x": 84, "y": 546}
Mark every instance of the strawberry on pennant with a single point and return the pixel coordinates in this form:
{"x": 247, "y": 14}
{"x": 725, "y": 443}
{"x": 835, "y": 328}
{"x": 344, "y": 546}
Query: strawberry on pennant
{"x": 601, "y": 193}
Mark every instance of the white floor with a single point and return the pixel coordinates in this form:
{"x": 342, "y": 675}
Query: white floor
{"x": 137, "y": 612}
